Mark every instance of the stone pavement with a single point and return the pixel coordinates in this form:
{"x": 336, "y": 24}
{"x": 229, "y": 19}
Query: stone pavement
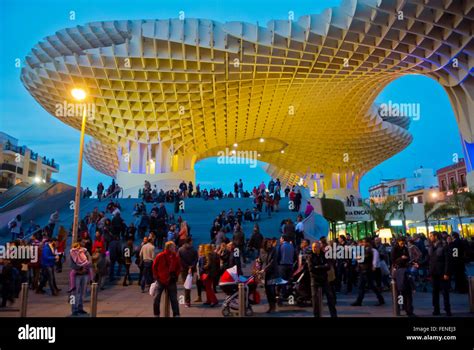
{"x": 119, "y": 301}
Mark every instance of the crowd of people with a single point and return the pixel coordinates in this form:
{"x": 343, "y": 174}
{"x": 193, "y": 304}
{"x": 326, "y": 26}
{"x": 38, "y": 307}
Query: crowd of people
{"x": 291, "y": 268}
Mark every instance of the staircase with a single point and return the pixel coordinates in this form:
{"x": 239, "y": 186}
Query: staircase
{"x": 199, "y": 214}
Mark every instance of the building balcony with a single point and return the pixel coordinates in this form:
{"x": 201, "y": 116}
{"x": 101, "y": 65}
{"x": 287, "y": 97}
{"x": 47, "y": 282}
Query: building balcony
{"x": 11, "y": 167}
{"x": 33, "y": 155}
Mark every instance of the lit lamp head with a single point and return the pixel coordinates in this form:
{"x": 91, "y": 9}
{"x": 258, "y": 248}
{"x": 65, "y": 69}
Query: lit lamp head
{"x": 385, "y": 234}
{"x": 78, "y": 94}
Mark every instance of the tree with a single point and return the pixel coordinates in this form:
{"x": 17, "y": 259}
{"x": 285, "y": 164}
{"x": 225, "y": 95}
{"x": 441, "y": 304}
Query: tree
{"x": 441, "y": 212}
{"x": 379, "y": 211}
{"x": 400, "y": 208}
{"x": 428, "y": 207}
{"x": 459, "y": 204}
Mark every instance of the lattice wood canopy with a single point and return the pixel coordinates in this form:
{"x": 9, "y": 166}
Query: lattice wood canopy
{"x": 199, "y": 85}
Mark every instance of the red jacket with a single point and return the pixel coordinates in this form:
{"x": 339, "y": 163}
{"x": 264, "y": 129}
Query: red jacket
{"x": 166, "y": 264}
{"x": 98, "y": 243}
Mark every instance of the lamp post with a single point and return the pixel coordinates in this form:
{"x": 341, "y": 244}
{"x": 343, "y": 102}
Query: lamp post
{"x": 79, "y": 95}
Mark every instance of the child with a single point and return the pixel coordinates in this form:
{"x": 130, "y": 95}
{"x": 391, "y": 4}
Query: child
{"x": 79, "y": 256}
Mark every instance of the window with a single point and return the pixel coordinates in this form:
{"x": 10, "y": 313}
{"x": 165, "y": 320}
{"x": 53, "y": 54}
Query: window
{"x": 420, "y": 199}
{"x": 462, "y": 180}
{"x": 394, "y": 190}
{"x": 451, "y": 180}
{"x": 443, "y": 185}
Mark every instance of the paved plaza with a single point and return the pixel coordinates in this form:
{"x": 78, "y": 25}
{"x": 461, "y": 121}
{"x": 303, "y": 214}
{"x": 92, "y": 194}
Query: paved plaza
{"x": 119, "y": 301}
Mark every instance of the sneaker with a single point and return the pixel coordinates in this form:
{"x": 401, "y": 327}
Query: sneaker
{"x": 356, "y": 303}
{"x": 187, "y": 305}
{"x": 198, "y": 300}
{"x": 82, "y": 312}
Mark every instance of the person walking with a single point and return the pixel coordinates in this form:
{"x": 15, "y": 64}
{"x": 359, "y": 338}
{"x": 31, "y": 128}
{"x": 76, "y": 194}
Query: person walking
{"x": 48, "y": 262}
{"x": 166, "y": 269}
{"x": 366, "y": 277}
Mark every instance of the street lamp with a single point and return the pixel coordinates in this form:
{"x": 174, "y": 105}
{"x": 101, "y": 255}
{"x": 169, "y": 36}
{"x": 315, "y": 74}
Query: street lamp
{"x": 79, "y": 95}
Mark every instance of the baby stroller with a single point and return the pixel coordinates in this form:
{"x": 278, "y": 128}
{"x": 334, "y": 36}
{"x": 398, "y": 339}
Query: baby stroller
{"x": 300, "y": 286}
{"x": 296, "y": 290}
{"x": 229, "y": 283}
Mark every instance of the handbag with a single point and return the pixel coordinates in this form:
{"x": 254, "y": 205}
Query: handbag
{"x": 154, "y": 289}
{"x": 188, "y": 282}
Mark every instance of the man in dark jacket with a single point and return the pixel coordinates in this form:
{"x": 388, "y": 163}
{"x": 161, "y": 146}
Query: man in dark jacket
{"x": 269, "y": 267}
{"x": 115, "y": 255}
{"x": 367, "y": 274}
{"x": 318, "y": 268}
{"x": 238, "y": 239}
{"x": 117, "y": 225}
{"x": 256, "y": 240}
{"x": 440, "y": 271}
{"x": 400, "y": 250}
{"x": 188, "y": 257}
{"x": 458, "y": 250}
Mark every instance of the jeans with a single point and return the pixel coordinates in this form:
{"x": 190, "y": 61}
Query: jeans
{"x": 440, "y": 285}
{"x": 112, "y": 269}
{"x": 366, "y": 279}
{"x": 147, "y": 276}
{"x": 331, "y": 298}
{"x": 285, "y": 272}
{"x": 47, "y": 274}
{"x": 270, "y": 293}
{"x": 268, "y": 210}
{"x": 127, "y": 274}
{"x": 81, "y": 285}
{"x": 173, "y": 296}
{"x": 407, "y": 298}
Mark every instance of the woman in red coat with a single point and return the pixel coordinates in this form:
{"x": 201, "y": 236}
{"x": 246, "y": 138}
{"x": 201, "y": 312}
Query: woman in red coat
{"x": 166, "y": 269}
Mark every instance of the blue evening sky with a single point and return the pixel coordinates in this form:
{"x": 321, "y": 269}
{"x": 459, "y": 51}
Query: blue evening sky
{"x": 25, "y": 22}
